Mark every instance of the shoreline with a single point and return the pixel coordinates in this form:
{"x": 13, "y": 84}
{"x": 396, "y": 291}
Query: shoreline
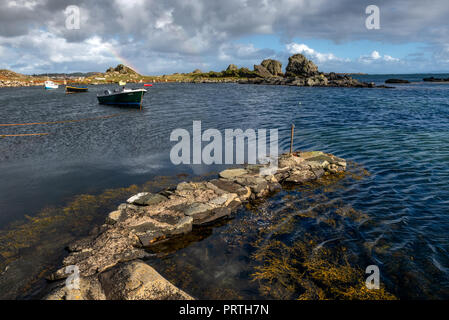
{"x": 109, "y": 260}
{"x": 300, "y": 72}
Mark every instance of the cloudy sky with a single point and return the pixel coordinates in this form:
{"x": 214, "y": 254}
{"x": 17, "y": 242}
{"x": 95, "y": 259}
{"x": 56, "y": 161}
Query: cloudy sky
{"x": 166, "y": 36}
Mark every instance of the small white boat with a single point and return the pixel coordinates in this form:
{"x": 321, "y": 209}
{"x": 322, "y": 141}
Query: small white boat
{"x": 50, "y": 85}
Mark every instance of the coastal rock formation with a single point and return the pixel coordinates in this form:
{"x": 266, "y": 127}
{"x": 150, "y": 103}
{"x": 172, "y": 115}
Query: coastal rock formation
{"x": 433, "y": 79}
{"x": 273, "y": 66}
{"x": 299, "y": 65}
{"x": 301, "y": 72}
{"x": 197, "y": 71}
{"x": 121, "y": 69}
{"x": 106, "y": 260}
{"x": 396, "y": 81}
{"x": 134, "y": 280}
{"x": 261, "y": 71}
{"x": 232, "y": 67}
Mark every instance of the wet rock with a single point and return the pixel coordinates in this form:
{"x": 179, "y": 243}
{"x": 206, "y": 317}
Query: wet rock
{"x": 290, "y": 160}
{"x": 100, "y": 253}
{"x": 137, "y": 197}
{"x": 89, "y": 288}
{"x": 232, "y": 173}
{"x": 319, "y": 172}
{"x": 126, "y": 281}
{"x": 396, "y": 81}
{"x": 257, "y": 185}
{"x": 146, "y": 199}
{"x": 310, "y": 154}
{"x": 301, "y": 176}
{"x": 204, "y": 212}
{"x": 138, "y": 281}
{"x": 231, "y": 187}
{"x": 114, "y": 217}
{"x": 152, "y": 228}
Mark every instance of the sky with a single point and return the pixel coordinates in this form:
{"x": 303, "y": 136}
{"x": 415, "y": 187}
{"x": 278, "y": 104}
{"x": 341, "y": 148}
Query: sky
{"x": 167, "y": 36}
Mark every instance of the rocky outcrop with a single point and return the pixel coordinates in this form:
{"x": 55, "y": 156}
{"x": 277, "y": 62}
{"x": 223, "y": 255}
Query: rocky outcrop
{"x": 301, "y": 72}
{"x": 197, "y": 71}
{"x": 232, "y": 67}
{"x": 396, "y": 81}
{"x": 261, "y": 71}
{"x": 122, "y": 69}
{"x": 134, "y": 280}
{"x": 274, "y": 67}
{"x": 433, "y": 79}
{"x": 299, "y": 65}
{"x": 106, "y": 260}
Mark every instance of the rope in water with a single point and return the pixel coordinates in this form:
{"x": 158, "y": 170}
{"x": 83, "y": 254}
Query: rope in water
{"x": 23, "y": 135}
{"x": 50, "y": 122}
{"x": 62, "y": 121}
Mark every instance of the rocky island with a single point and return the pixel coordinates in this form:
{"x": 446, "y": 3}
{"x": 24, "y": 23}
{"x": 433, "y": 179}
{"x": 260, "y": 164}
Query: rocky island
{"x": 110, "y": 259}
{"x": 300, "y": 71}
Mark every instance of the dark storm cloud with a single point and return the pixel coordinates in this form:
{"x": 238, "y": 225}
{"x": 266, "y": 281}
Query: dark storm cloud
{"x": 207, "y": 29}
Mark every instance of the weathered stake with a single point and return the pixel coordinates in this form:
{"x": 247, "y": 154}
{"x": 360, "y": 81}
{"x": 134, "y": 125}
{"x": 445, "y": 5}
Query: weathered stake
{"x": 291, "y": 138}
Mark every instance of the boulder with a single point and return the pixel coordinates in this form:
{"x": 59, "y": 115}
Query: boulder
{"x": 262, "y": 71}
{"x": 232, "y": 173}
{"x": 396, "y": 81}
{"x": 146, "y": 199}
{"x": 301, "y": 176}
{"x": 273, "y": 66}
{"x": 138, "y": 281}
{"x": 88, "y": 288}
{"x": 299, "y": 65}
{"x": 232, "y": 67}
{"x": 133, "y": 280}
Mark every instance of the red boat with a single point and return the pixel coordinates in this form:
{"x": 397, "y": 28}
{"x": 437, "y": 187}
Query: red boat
{"x": 147, "y": 85}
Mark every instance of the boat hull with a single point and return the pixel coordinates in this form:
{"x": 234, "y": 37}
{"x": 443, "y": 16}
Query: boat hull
{"x": 49, "y": 85}
{"x": 75, "y": 89}
{"x": 123, "y": 98}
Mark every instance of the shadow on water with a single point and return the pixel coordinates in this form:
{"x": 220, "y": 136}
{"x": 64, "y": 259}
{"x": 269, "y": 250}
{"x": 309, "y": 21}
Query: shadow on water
{"x": 31, "y": 249}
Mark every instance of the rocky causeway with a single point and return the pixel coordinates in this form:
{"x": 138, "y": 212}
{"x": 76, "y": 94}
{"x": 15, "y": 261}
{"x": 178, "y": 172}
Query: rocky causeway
{"x": 110, "y": 260}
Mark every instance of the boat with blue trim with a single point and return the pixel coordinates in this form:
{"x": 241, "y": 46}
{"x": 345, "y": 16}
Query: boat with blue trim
{"x": 50, "y": 85}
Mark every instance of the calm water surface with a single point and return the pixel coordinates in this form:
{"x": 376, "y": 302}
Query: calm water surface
{"x": 399, "y": 136}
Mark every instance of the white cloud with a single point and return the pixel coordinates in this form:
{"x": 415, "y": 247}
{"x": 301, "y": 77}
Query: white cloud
{"x": 311, "y": 53}
{"x": 376, "y": 56}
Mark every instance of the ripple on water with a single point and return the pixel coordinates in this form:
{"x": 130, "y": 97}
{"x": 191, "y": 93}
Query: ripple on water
{"x": 399, "y": 136}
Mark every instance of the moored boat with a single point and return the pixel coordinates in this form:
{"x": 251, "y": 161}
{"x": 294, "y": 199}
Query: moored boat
{"x": 123, "y": 97}
{"x": 70, "y": 89}
{"x": 122, "y": 83}
{"x": 50, "y": 85}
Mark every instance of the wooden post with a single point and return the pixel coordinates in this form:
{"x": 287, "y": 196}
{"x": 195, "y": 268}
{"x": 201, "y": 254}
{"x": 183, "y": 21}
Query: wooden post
{"x": 291, "y": 138}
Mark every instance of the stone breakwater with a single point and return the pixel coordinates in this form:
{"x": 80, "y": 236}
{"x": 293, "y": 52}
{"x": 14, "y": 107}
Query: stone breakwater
{"x": 109, "y": 259}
